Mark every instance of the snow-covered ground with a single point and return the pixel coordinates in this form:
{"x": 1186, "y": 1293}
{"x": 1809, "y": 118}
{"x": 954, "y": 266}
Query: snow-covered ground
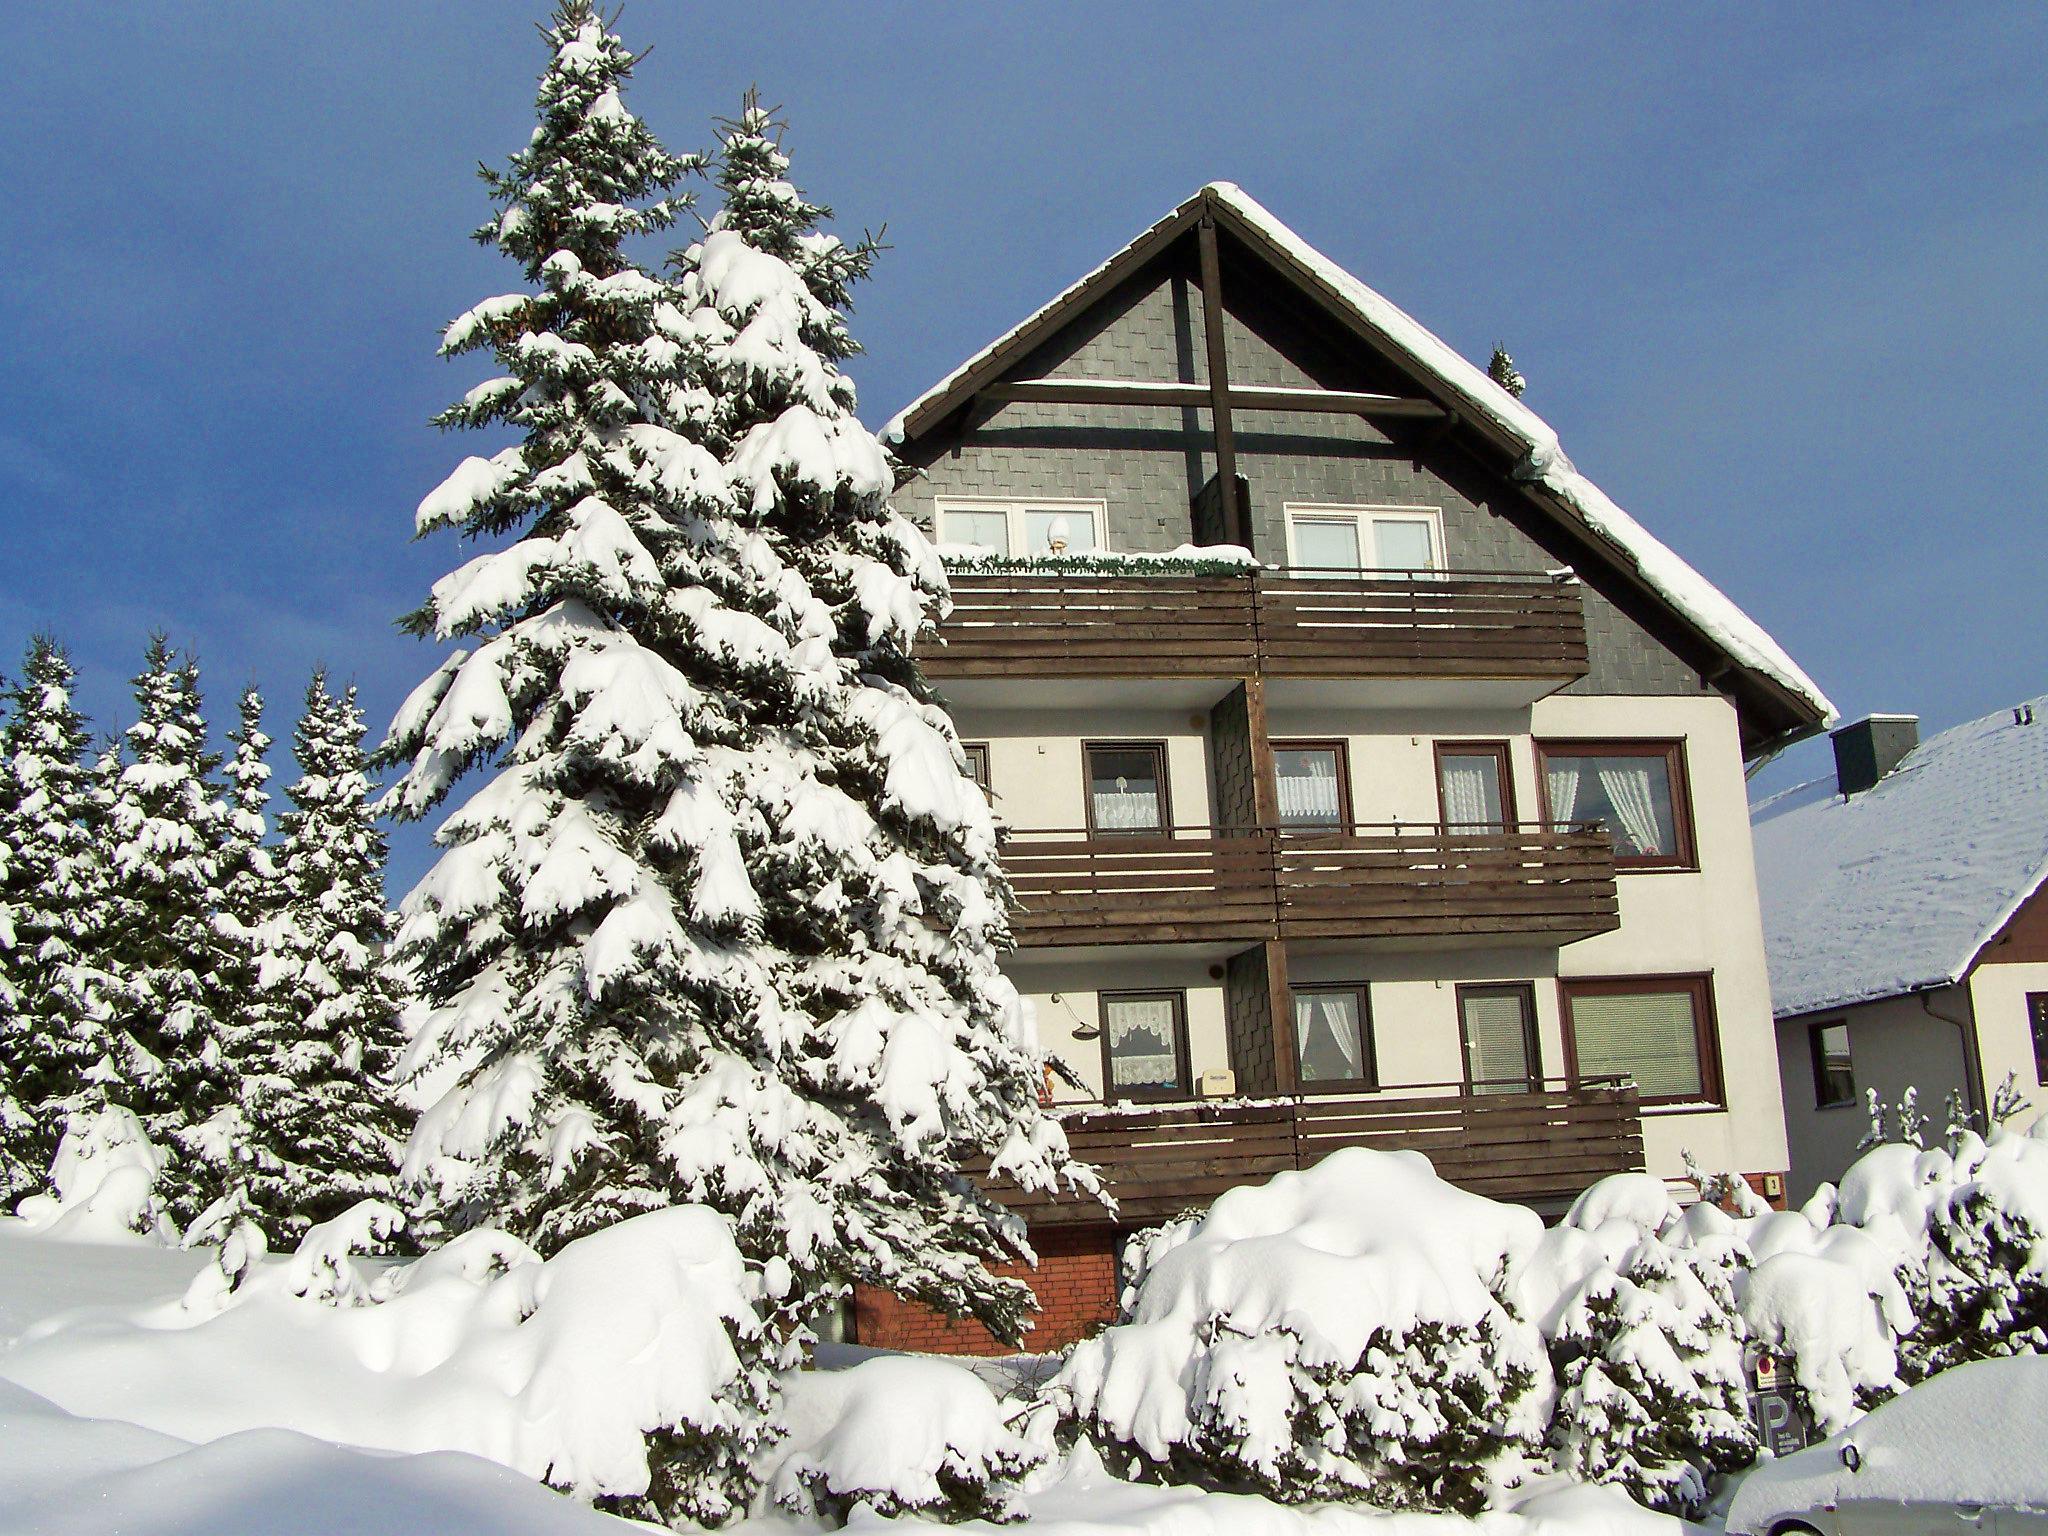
{"x": 199, "y": 1467}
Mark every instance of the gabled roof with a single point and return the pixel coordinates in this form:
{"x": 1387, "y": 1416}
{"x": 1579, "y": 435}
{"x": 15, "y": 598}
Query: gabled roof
{"x": 1527, "y": 443}
{"x": 1898, "y": 888}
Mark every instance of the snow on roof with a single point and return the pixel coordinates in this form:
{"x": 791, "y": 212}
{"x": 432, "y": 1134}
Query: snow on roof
{"x": 1898, "y": 888}
{"x": 1543, "y": 460}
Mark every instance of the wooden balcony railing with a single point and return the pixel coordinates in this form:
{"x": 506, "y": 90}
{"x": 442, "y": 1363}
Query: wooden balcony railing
{"x": 1406, "y": 883}
{"x": 1278, "y": 622}
{"x": 1539, "y": 1146}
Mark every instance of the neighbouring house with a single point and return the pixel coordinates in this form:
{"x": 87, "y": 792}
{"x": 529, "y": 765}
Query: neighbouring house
{"x": 1368, "y": 776}
{"x": 1907, "y": 926}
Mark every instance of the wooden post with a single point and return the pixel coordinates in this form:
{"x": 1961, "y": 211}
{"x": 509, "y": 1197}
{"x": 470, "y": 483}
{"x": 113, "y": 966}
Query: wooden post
{"x": 1265, "y": 772}
{"x": 1286, "y": 1071}
{"x": 1219, "y": 383}
{"x": 1266, "y": 801}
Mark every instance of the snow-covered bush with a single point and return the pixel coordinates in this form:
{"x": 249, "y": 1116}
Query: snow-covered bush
{"x": 1649, "y": 1369}
{"x": 1983, "y": 1291}
{"x": 1335, "y": 1333}
{"x": 104, "y": 1181}
{"x": 900, "y": 1435}
{"x": 630, "y": 1369}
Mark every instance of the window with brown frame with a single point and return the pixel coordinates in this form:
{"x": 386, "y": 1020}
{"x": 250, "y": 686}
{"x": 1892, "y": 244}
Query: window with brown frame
{"x": 1126, "y": 788}
{"x": 1333, "y": 1044}
{"x": 1497, "y": 1021}
{"x": 1144, "y": 1045}
{"x": 1475, "y": 785}
{"x": 1314, "y": 781}
{"x": 1658, "y": 1031}
{"x": 1834, "y": 1076}
{"x": 1635, "y": 789}
{"x": 977, "y": 762}
{"x": 2037, "y": 1025}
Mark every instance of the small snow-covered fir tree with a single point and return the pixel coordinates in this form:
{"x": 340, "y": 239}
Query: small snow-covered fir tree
{"x": 325, "y": 1128}
{"x": 172, "y": 1058}
{"x": 1502, "y": 370}
{"x": 1650, "y": 1384}
{"x": 721, "y": 925}
{"x": 44, "y": 786}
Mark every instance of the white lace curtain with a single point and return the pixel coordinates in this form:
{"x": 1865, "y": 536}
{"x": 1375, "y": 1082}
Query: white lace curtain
{"x": 1143, "y": 1052}
{"x": 1468, "y": 801}
{"x": 1326, "y": 1034}
{"x": 1126, "y": 810}
{"x": 1310, "y": 793}
{"x": 1627, "y": 785}
{"x": 1564, "y": 788}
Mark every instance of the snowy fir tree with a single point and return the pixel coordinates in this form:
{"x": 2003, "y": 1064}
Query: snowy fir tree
{"x": 721, "y": 925}
{"x": 325, "y": 1128}
{"x": 1502, "y": 370}
{"x": 171, "y": 1056}
{"x": 46, "y": 890}
{"x": 1650, "y": 1383}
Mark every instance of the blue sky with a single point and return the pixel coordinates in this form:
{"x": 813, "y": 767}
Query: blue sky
{"x": 1775, "y": 274}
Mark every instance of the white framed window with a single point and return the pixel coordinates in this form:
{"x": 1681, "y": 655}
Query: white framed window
{"x": 1339, "y": 538}
{"x": 1021, "y": 529}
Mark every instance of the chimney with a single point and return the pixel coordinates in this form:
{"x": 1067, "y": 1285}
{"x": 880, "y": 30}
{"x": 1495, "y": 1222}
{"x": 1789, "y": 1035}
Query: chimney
{"x": 1871, "y": 748}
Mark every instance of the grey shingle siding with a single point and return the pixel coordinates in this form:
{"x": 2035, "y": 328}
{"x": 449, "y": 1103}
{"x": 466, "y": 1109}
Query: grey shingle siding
{"x": 1146, "y": 463}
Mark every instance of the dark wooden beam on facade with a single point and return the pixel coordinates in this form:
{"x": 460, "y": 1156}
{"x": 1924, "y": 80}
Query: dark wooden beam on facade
{"x": 1219, "y": 380}
{"x": 1238, "y": 397}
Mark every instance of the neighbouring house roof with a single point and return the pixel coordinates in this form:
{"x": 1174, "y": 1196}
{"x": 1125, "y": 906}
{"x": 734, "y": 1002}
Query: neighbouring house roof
{"x": 1538, "y": 462}
{"x": 1898, "y": 889}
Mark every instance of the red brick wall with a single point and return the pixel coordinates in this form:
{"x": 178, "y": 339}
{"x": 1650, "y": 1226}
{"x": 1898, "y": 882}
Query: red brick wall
{"x": 1756, "y": 1182}
{"x": 1075, "y": 1283}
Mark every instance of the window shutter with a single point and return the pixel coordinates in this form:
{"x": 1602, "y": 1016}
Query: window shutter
{"x": 1652, "y": 1037}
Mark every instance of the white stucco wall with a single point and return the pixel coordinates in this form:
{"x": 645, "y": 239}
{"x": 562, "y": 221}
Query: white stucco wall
{"x": 1998, "y": 994}
{"x": 1704, "y": 921}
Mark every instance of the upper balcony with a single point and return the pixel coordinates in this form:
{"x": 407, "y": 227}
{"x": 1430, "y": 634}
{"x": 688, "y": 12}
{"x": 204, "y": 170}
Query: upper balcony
{"x": 1498, "y": 638}
{"x": 1411, "y": 887}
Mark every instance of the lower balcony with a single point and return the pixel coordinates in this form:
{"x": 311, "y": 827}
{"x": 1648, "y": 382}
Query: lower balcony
{"x": 1537, "y": 1144}
{"x": 1407, "y": 886}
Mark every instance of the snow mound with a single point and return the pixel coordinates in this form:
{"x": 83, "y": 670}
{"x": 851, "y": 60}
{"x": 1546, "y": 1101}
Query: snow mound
{"x": 104, "y": 1176}
{"x": 902, "y": 1435}
{"x": 1337, "y": 1332}
{"x": 564, "y": 1370}
{"x": 67, "y": 1476}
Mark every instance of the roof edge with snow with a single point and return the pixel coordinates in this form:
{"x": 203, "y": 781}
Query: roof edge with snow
{"x": 1539, "y": 463}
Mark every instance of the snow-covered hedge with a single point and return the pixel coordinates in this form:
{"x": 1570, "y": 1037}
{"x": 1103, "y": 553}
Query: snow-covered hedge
{"x": 1335, "y": 1333}
{"x": 630, "y": 1369}
{"x": 901, "y": 1435}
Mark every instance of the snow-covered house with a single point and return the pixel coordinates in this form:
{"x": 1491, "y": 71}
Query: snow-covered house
{"x": 1369, "y": 776}
{"x": 1907, "y": 926}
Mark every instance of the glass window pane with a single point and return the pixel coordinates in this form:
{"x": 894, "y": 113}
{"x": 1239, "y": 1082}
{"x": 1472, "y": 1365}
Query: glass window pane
{"x": 1652, "y": 1037}
{"x": 1834, "y": 1077}
{"x": 1074, "y": 530}
{"x": 1404, "y": 543}
{"x": 1471, "y": 785}
{"x": 1630, "y": 796}
{"x": 1329, "y": 1037}
{"x": 1327, "y": 543}
{"x": 1497, "y": 1041}
{"x": 1310, "y": 788}
{"x": 977, "y": 762}
{"x": 1144, "y": 1044}
{"x": 2037, "y": 1019}
{"x": 984, "y": 529}
{"x": 1124, "y": 791}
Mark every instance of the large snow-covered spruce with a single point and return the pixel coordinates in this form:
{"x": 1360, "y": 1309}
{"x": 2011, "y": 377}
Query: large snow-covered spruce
{"x": 324, "y": 1125}
{"x": 46, "y": 883}
{"x": 720, "y": 926}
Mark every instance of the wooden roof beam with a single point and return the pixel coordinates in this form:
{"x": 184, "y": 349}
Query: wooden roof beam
{"x": 1242, "y": 397}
